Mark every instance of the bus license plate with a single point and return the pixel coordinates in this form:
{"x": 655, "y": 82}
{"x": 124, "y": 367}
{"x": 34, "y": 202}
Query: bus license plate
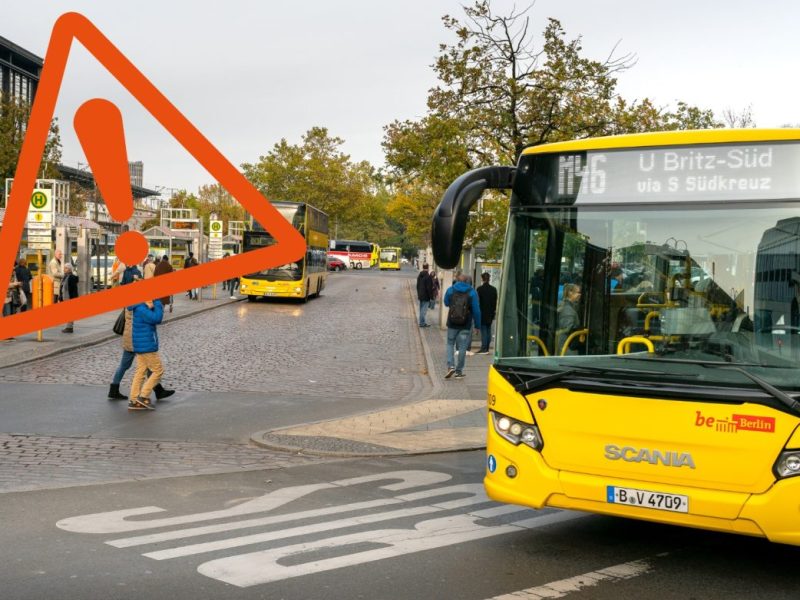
{"x": 646, "y": 499}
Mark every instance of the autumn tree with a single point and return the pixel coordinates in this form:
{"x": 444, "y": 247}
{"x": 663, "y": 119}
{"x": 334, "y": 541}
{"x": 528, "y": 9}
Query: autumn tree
{"x": 317, "y": 171}
{"x": 500, "y": 92}
{"x": 13, "y": 119}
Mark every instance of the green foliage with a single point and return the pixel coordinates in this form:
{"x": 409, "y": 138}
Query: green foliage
{"x": 13, "y": 118}
{"x": 318, "y": 172}
{"x": 499, "y": 93}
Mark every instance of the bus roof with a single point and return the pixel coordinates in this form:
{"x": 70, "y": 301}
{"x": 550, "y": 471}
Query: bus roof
{"x": 668, "y": 138}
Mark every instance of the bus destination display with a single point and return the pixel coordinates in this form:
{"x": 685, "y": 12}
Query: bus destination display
{"x": 693, "y": 173}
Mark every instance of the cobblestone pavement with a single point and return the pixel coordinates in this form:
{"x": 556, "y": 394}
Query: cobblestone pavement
{"x": 41, "y": 462}
{"x": 358, "y": 341}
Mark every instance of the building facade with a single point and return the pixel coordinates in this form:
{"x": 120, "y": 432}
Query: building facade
{"x": 19, "y": 71}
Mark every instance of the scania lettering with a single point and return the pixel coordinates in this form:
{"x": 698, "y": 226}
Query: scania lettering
{"x": 675, "y": 397}
{"x": 654, "y": 457}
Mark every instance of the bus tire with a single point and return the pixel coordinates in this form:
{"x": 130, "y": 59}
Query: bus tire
{"x": 251, "y": 298}
{"x": 358, "y": 265}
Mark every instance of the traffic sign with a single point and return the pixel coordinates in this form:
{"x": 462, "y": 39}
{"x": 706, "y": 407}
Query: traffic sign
{"x": 41, "y": 201}
{"x": 215, "y": 230}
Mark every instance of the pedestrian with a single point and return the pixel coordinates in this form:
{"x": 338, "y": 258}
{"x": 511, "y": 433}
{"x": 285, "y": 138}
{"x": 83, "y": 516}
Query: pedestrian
{"x": 24, "y": 277}
{"x": 69, "y": 291}
{"x": 487, "y": 299}
{"x": 225, "y": 281}
{"x": 131, "y": 275}
{"x": 56, "y": 271}
{"x": 191, "y": 261}
{"x": 13, "y": 299}
{"x": 233, "y": 285}
{"x": 117, "y": 269}
{"x": 149, "y": 266}
{"x": 436, "y": 287}
{"x": 162, "y": 268}
{"x": 145, "y": 318}
{"x": 464, "y": 310}
{"x": 424, "y": 293}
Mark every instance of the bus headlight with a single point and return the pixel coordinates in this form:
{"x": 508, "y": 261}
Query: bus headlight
{"x": 517, "y": 432}
{"x": 788, "y": 464}
{"x": 297, "y": 290}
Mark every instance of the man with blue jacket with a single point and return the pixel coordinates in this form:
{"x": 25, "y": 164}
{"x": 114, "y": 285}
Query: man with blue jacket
{"x": 464, "y": 311}
{"x": 144, "y": 319}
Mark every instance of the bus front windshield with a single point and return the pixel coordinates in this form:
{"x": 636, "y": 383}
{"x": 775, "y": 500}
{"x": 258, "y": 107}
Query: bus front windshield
{"x": 687, "y": 288}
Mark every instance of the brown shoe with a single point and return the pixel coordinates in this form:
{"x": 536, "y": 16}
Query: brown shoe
{"x": 140, "y": 404}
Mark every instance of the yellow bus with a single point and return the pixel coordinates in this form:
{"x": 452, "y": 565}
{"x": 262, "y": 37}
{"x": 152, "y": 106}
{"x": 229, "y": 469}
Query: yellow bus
{"x": 375, "y": 251}
{"x": 390, "y": 258}
{"x": 301, "y": 279}
{"x": 648, "y": 337}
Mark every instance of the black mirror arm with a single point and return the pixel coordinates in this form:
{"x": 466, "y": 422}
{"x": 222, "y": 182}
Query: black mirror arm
{"x": 450, "y": 218}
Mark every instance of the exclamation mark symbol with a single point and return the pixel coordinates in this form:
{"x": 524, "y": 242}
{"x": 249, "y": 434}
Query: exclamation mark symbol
{"x": 98, "y": 124}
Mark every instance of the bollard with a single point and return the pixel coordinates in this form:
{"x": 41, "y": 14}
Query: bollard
{"x": 42, "y": 291}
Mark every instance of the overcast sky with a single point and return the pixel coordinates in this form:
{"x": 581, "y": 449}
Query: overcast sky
{"x": 248, "y": 73}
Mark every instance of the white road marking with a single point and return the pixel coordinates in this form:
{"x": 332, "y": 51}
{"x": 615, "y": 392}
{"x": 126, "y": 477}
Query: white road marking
{"x": 261, "y": 567}
{"x": 345, "y": 549}
{"x": 563, "y": 587}
{"x": 115, "y": 521}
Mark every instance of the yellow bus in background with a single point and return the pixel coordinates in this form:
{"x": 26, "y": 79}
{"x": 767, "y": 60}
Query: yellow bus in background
{"x": 375, "y": 250}
{"x": 389, "y": 259}
{"x": 648, "y": 344}
{"x": 301, "y": 279}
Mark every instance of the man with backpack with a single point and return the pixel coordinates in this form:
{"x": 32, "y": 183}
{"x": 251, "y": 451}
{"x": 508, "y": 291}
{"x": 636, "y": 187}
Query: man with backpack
{"x": 464, "y": 311}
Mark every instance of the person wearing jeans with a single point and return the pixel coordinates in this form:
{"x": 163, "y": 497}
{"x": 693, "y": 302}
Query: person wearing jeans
{"x": 424, "y": 293}
{"x": 459, "y": 330}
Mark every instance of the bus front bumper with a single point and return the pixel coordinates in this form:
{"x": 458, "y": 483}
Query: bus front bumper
{"x": 271, "y": 291}
{"x": 774, "y": 514}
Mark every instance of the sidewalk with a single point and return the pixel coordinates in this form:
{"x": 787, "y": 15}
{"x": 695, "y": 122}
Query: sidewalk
{"x": 454, "y": 419}
{"x": 97, "y": 329}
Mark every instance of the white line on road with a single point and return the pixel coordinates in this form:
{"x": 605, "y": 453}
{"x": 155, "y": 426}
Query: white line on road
{"x": 563, "y": 587}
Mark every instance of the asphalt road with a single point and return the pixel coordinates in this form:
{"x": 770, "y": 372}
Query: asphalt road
{"x": 99, "y": 503}
{"x": 402, "y": 528}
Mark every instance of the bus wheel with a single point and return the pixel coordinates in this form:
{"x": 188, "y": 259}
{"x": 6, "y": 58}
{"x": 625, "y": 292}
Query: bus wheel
{"x": 358, "y": 265}
{"x": 251, "y": 298}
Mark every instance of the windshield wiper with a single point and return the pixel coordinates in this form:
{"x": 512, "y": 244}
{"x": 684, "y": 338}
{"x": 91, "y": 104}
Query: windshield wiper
{"x": 544, "y": 380}
{"x": 765, "y": 385}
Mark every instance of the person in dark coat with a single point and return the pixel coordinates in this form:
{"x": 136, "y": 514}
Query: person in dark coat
{"x": 424, "y": 293}
{"x": 162, "y": 268}
{"x": 487, "y": 298}
{"x": 69, "y": 291}
{"x": 24, "y": 277}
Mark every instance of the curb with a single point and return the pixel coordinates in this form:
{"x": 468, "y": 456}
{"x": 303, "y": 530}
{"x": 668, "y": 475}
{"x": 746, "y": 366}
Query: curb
{"x": 108, "y": 337}
{"x": 260, "y": 439}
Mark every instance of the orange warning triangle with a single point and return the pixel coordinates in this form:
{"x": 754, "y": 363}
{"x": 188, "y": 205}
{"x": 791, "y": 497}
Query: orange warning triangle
{"x": 289, "y": 245}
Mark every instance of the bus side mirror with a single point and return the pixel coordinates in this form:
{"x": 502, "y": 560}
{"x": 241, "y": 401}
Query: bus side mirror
{"x": 450, "y": 217}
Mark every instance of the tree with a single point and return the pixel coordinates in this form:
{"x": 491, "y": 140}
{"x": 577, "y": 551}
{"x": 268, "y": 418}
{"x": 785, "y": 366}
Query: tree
{"x": 499, "y": 93}
{"x": 318, "y": 172}
{"x": 13, "y": 119}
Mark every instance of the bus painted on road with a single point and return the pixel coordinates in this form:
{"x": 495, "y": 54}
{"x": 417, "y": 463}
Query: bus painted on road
{"x": 390, "y": 259}
{"x": 355, "y": 254}
{"x": 301, "y": 279}
{"x": 664, "y": 384}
